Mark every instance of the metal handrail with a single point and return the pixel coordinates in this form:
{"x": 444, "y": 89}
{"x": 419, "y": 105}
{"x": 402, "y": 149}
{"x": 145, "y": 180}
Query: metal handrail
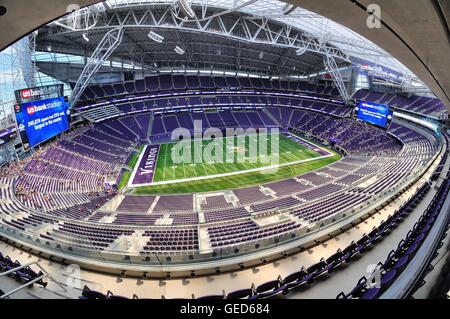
{"x": 416, "y": 268}
{"x": 30, "y": 283}
{"x": 405, "y": 283}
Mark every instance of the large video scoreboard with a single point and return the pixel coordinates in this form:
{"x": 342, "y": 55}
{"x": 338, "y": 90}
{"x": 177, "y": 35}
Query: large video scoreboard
{"x": 42, "y": 113}
{"x": 373, "y": 113}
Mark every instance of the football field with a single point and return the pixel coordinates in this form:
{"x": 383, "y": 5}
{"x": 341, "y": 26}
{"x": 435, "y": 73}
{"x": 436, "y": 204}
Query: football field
{"x": 236, "y": 157}
{"x": 199, "y": 166}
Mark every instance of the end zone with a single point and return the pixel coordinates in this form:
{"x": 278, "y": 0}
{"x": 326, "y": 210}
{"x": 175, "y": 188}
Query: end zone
{"x": 145, "y": 169}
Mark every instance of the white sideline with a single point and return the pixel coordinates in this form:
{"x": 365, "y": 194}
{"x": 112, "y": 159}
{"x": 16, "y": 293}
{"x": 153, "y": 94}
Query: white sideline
{"x": 136, "y": 167}
{"x": 253, "y": 170}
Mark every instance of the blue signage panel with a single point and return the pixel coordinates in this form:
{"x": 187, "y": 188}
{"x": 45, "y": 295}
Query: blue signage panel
{"x": 377, "y": 71}
{"x": 377, "y": 114}
{"x": 41, "y": 120}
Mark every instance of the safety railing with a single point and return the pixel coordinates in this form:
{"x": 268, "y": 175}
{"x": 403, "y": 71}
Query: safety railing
{"x": 43, "y": 275}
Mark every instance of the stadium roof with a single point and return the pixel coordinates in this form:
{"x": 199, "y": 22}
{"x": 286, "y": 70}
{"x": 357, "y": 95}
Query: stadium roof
{"x": 416, "y": 35}
{"x": 324, "y": 32}
{"x": 261, "y": 37}
{"x": 311, "y": 23}
{"x": 229, "y": 38}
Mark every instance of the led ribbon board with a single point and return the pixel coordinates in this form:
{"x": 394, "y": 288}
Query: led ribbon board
{"x": 373, "y": 113}
{"x": 39, "y": 93}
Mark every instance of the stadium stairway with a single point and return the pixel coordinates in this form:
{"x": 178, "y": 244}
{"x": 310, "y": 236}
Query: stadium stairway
{"x": 273, "y": 118}
{"x": 113, "y": 204}
{"x": 150, "y": 127}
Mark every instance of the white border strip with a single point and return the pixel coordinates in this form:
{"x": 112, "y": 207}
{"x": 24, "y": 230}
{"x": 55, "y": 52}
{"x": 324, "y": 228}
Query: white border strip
{"x": 136, "y": 167}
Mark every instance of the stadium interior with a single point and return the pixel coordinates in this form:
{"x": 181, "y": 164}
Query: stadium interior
{"x": 213, "y": 149}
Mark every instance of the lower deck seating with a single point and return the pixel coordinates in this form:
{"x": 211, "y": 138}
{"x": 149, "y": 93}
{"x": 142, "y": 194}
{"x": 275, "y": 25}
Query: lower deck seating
{"x": 303, "y": 200}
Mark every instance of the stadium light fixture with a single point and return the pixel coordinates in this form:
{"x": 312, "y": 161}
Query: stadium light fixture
{"x": 155, "y": 37}
{"x": 186, "y": 8}
{"x": 179, "y": 50}
{"x": 288, "y": 9}
{"x": 85, "y": 37}
{"x": 301, "y": 51}
{"x": 3, "y": 10}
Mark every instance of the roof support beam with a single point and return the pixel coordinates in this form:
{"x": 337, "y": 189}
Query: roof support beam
{"x": 332, "y": 67}
{"x": 246, "y": 29}
{"x": 105, "y": 48}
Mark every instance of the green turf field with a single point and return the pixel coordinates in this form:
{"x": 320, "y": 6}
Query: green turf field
{"x": 131, "y": 163}
{"x": 290, "y": 152}
{"x": 240, "y": 159}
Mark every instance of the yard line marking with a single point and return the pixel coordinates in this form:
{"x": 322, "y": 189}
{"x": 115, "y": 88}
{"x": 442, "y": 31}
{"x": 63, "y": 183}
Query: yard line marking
{"x": 225, "y": 172}
{"x": 259, "y": 169}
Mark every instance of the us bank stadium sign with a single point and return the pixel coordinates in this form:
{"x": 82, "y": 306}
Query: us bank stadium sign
{"x": 377, "y": 71}
{"x": 39, "y": 93}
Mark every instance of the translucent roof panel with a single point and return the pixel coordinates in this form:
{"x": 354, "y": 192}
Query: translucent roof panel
{"x": 311, "y": 23}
